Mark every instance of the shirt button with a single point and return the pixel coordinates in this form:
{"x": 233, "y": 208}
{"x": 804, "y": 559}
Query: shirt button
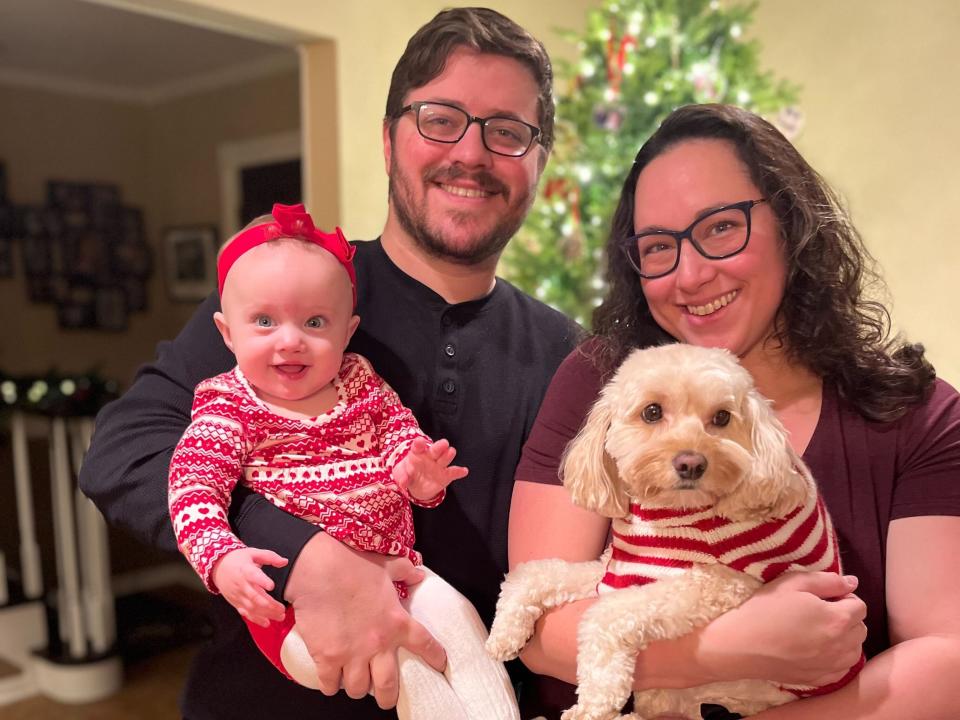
{"x": 446, "y": 320}
{"x": 449, "y": 387}
{"x": 449, "y": 349}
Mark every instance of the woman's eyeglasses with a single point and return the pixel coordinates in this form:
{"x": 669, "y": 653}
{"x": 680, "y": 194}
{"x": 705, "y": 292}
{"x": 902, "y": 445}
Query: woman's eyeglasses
{"x": 718, "y": 234}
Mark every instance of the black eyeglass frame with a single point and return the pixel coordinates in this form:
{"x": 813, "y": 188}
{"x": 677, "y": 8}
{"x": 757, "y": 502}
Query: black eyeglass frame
{"x": 535, "y": 133}
{"x": 630, "y": 242}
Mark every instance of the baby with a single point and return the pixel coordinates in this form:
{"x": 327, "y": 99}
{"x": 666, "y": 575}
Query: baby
{"x": 316, "y": 431}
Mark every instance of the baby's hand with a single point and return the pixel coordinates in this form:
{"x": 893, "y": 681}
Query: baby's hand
{"x": 240, "y": 580}
{"x": 426, "y": 470}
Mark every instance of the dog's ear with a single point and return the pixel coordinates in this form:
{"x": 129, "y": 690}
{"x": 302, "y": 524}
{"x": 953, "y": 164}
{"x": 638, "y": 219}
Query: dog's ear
{"x": 778, "y": 478}
{"x": 588, "y": 472}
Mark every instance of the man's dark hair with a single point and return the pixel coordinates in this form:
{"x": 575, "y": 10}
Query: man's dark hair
{"x": 485, "y": 31}
{"x": 825, "y": 321}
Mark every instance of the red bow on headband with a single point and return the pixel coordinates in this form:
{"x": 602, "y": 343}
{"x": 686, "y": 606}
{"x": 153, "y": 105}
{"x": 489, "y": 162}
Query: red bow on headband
{"x": 290, "y": 221}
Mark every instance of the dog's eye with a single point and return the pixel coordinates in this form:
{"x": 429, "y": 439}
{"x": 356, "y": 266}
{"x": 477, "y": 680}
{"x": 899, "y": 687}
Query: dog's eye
{"x": 722, "y": 418}
{"x": 652, "y": 413}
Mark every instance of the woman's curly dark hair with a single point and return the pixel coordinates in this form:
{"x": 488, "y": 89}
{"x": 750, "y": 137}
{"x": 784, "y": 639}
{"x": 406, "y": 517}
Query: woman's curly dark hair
{"x": 824, "y": 321}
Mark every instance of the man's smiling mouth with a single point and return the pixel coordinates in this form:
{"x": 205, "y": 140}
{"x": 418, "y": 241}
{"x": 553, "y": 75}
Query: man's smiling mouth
{"x": 464, "y": 192}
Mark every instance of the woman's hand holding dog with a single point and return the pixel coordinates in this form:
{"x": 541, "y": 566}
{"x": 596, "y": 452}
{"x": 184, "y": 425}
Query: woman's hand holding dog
{"x": 801, "y": 629}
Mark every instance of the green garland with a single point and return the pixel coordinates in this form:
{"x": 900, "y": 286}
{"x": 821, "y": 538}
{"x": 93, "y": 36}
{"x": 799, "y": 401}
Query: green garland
{"x": 57, "y": 395}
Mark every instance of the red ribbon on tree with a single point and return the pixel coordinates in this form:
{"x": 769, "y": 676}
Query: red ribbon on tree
{"x": 617, "y": 59}
{"x": 566, "y": 191}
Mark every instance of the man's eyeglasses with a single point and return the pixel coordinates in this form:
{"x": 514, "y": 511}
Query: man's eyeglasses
{"x": 448, "y": 124}
{"x": 719, "y": 234}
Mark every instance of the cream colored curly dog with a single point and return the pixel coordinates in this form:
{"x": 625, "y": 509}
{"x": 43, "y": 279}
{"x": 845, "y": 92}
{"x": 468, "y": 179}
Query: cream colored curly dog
{"x": 708, "y": 501}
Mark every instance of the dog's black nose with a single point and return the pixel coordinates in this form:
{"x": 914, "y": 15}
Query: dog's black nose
{"x": 689, "y": 465}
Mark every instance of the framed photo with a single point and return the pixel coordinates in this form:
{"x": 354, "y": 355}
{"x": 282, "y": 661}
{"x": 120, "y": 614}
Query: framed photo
{"x": 8, "y": 222}
{"x": 78, "y": 308}
{"x": 105, "y": 208}
{"x": 70, "y": 196}
{"x": 129, "y": 259}
{"x": 85, "y": 256}
{"x": 37, "y": 255}
{"x": 131, "y": 225}
{"x": 135, "y": 291}
{"x": 29, "y": 221}
{"x": 72, "y": 200}
{"x": 53, "y": 221}
{"x": 6, "y": 257}
{"x": 111, "y": 309}
{"x": 103, "y": 195}
{"x": 190, "y": 259}
{"x": 41, "y": 288}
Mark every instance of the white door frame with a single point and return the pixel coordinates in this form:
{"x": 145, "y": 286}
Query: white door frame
{"x": 233, "y": 157}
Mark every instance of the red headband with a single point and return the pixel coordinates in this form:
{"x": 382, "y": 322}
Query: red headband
{"x": 290, "y": 221}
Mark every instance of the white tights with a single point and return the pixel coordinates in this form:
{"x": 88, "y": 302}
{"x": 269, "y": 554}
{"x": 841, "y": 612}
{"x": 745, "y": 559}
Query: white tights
{"x": 474, "y": 686}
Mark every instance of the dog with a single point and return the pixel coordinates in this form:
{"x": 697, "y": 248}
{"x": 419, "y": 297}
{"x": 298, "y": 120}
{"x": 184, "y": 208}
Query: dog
{"x": 708, "y": 501}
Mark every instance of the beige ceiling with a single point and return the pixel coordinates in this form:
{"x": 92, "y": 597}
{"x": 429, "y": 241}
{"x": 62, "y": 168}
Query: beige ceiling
{"x": 100, "y": 49}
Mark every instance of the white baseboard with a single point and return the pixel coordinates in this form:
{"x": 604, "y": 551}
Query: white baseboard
{"x": 23, "y": 628}
{"x": 76, "y": 683}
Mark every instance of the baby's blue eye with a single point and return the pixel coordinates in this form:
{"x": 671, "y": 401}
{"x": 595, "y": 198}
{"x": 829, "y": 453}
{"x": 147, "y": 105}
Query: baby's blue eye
{"x": 263, "y": 321}
{"x": 316, "y": 322}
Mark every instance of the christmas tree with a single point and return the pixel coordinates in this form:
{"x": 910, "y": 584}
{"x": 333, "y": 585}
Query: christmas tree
{"x": 638, "y": 60}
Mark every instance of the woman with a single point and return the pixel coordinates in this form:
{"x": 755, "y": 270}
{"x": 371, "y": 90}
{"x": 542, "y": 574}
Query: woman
{"x": 880, "y": 433}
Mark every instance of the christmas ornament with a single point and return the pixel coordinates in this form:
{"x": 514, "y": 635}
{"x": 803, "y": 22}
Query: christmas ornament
{"x": 609, "y": 117}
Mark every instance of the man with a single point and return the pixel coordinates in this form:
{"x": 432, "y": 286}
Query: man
{"x": 468, "y": 127}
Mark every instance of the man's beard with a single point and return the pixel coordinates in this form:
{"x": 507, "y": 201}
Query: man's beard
{"x": 413, "y": 217}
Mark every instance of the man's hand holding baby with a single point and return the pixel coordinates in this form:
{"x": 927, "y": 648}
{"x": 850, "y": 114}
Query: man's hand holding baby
{"x": 239, "y": 578}
{"x": 425, "y": 471}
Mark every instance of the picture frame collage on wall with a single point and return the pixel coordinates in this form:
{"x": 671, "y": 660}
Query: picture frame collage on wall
{"x": 83, "y": 251}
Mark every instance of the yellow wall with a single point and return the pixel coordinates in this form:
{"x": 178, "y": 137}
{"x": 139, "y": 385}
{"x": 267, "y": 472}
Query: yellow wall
{"x": 164, "y": 160}
{"x": 881, "y": 101}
